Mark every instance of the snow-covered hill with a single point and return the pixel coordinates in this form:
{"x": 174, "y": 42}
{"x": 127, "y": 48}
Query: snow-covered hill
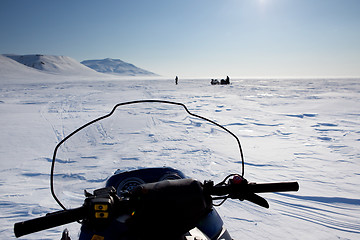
{"x": 44, "y": 68}
{"x": 116, "y": 66}
{"x": 10, "y": 69}
{"x": 53, "y": 64}
{"x": 37, "y": 67}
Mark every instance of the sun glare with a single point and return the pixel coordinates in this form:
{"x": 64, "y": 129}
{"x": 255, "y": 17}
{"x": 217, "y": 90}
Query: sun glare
{"x": 262, "y": 2}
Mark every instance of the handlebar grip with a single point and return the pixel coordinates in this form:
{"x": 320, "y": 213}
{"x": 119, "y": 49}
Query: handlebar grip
{"x": 253, "y": 188}
{"x": 273, "y": 187}
{"x": 50, "y": 220}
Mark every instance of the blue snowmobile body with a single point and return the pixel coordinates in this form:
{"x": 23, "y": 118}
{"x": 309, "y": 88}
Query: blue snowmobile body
{"x": 209, "y": 226}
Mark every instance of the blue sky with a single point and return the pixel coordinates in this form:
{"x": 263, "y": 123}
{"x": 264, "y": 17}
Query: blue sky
{"x": 193, "y": 38}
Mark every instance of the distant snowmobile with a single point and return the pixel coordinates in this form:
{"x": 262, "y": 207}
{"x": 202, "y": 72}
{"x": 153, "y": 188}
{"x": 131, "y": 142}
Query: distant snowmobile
{"x": 214, "y": 82}
{"x": 221, "y": 82}
{"x": 149, "y": 202}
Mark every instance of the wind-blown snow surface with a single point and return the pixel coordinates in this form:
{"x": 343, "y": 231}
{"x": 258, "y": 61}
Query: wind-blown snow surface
{"x": 290, "y": 130}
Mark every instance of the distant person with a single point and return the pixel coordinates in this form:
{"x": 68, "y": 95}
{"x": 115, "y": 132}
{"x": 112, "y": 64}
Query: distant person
{"x": 225, "y": 81}
{"x": 176, "y": 80}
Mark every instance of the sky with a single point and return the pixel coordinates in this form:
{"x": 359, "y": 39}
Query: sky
{"x": 193, "y": 38}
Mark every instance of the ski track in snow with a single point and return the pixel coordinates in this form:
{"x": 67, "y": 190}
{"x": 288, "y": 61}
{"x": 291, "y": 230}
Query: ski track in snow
{"x": 290, "y": 130}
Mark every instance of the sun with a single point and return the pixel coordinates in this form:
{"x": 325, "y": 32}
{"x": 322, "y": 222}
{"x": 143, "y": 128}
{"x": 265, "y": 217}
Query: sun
{"x": 263, "y": 2}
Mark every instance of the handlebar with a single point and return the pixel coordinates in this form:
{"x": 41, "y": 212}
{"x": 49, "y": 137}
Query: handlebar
{"x": 254, "y": 188}
{"x": 274, "y": 187}
{"x": 104, "y": 204}
{"x": 239, "y": 188}
{"x": 49, "y": 221}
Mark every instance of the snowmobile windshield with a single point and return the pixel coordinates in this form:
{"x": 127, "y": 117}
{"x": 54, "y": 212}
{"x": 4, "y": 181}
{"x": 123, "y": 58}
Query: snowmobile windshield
{"x": 137, "y": 135}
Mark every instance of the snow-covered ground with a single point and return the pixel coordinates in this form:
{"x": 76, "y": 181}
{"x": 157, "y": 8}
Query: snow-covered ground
{"x": 290, "y": 130}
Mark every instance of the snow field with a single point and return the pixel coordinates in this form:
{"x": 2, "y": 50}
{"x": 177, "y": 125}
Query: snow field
{"x": 290, "y": 130}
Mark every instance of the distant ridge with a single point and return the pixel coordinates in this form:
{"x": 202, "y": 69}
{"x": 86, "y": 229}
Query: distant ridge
{"x": 116, "y": 67}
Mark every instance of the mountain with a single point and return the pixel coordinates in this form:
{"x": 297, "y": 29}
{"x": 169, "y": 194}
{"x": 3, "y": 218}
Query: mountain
{"x": 60, "y": 65}
{"x": 117, "y": 67}
{"x": 49, "y": 68}
{"x": 9, "y": 66}
{"x": 12, "y": 71}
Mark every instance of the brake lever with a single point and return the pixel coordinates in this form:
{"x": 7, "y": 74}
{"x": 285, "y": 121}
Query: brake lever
{"x": 254, "y": 198}
{"x": 246, "y": 194}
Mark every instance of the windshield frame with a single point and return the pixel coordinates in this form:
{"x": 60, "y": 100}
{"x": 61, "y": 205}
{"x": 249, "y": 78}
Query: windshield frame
{"x": 52, "y": 189}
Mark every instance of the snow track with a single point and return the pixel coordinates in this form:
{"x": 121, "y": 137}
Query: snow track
{"x": 290, "y": 130}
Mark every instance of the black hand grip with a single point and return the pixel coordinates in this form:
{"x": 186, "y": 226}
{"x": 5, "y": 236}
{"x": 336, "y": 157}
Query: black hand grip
{"x": 234, "y": 189}
{"x": 50, "y": 220}
{"x": 273, "y": 187}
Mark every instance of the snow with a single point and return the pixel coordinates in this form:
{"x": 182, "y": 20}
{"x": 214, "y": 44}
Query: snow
{"x": 301, "y": 130}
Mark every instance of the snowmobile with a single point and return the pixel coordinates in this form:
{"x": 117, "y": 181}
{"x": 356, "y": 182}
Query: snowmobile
{"x": 137, "y": 201}
{"x": 221, "y": 82}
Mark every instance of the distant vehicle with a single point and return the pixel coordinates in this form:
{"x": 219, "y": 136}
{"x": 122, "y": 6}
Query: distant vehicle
{"x": 221, "y": 82}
